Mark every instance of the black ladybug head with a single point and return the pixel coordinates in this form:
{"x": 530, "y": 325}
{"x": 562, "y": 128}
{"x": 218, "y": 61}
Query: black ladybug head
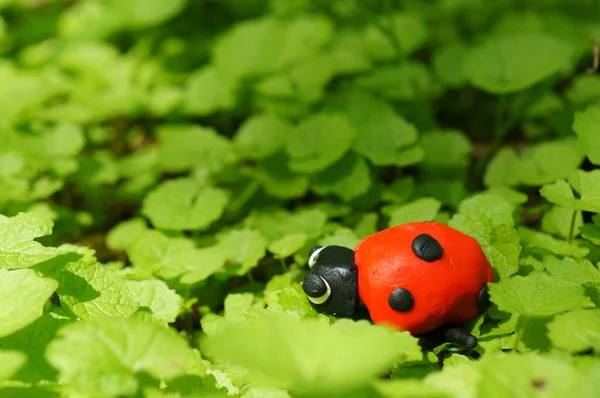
{"x": 332, "y": 284}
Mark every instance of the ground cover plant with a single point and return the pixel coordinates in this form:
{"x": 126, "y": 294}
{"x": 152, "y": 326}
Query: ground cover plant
{"x": 166, "y": 166}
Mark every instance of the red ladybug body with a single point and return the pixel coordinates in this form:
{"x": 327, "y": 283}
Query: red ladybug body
{"x": 425, "y": 278}
{"x": 444, "y": 288}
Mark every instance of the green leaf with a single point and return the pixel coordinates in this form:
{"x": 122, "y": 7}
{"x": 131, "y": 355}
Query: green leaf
{"x": 557, "y": 221}
{"x": 23, "y": 295}
{"x": 244, "y": 248}
{"x": 514, "y": 62}
{"x": 184, "y": 204}
{"x": 10, "y": 362}
{"x": 500, "y": 244}
{"x": 277, "y": 179}
{"x": 293, "y": 300}
{"x": 175, "y": 257}
{"x": 537, "y": 295}
{"x": 424, "y": 209}
{"x": 235, "y": 307}
{"x": 32, "y": 341}
{"x": 445, "y": 149}
{"x": 448, "y": 64}
{"x": 408, "y": 30}
{"x": 587, "y": 128}
{"x": 576, "y": 270}
{"x": 381, "y": 134}
{"x": 576, "y": 331}
{"x": 287, "y": 245}
{"x": 103, "y": 357}
{"x": 495, "y": 208}
{"x": 319, "y": 141}
{"x": 124, "y": 234}
{"x": 330, "y": 367}
{"x": 182, "y": 147}
{"x": 539, "y": 241}
{"x": 91, "y": 290}
{"x": 157, "y": 301}
{"x": 408, "y": 389}
{"x": 261, "y": 136}
{"x": 460, "y": 381}
{"x": 532, "y": 375}
{"x": 587, "y": 186}
{"x": 348, "y": 178}
{"x": 532, "y": 167}
{"x": 17, "y": 246}
{"x": 405, "y": 82}
{"x": 207, "y": 92}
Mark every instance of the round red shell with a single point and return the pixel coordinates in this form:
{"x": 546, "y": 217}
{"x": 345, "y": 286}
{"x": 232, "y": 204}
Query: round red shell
{"x": 445, "y": 290}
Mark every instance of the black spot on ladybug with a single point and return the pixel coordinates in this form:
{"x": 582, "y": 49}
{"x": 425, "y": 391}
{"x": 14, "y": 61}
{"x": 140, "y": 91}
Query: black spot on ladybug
{"x": 483, "y": 300}
{"x": 314, "y": 286}
{"x": 401, "y": 300}
{"x": 427, "y": 248}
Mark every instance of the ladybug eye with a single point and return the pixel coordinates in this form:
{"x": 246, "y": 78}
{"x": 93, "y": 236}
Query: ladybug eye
{"x": 401, "y": 300}
{"x": 316, "y": 288}
{"x": 314, "y": 254}
{"x": 427, "y": 248}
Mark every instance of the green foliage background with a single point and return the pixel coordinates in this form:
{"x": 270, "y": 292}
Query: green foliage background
{"x": 165, "y": 167}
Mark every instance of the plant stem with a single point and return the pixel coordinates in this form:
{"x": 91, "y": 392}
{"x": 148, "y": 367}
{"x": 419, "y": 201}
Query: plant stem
{"x": 284, "y": 265}
{"x": 572, "y": 227}
{"x": 520, "y": 329}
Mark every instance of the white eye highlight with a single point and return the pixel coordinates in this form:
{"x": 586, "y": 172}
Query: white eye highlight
{"x": 324, "y": 297}
{"x": 313, "y": 257}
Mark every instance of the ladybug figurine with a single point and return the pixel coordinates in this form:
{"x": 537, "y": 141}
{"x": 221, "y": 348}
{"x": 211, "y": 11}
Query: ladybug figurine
{"x": 425, "y": 278}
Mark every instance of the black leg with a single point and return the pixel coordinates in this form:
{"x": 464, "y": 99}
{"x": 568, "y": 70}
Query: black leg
{"x": 449, "y": 333}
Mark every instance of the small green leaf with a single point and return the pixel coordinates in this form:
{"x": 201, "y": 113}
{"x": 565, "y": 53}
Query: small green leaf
{"x": 174, "y": 257}
{"x": 91, "y": 290}
{"x": 586, "y": 184}
{"x": 511, "y": 63}
{"x": 448, "y": 64}
{"x": 445, "y": 149}
{"x": 103, "y": 357}
{"x": 576, "y": 270}
{"x": 587, "y": 128}
{"x": 287, "y": 245}
{"x": 23, "y": 295}
{"x": 408, "y": 30}
{"x": 348, "y": 178}
{"x": 576, "y": 331}
{"x": 182, "y": 147}
{"x": 124, "y": 234}
{"x": 557, "y": 221}
{"x": 537, "y": 295}
{"x": 10, "y": 362}
{"x": 261, "y": 136}
{"x": 408, "y": 81}
{"x": 156, "y": 299}
{"x": 381, "y": 134}
{"x": 318, "y": 142}
{"x": 424, "y": 209}
{"x": 539, "y": 241}
{"x": 184, "y": 204}
{"x": 244, "y": 248}
{"x": 17, "y": 246}
{"x": 495, "y": 208}
{"x": 276, "y": 178}
{"x": 206, "y": 92}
